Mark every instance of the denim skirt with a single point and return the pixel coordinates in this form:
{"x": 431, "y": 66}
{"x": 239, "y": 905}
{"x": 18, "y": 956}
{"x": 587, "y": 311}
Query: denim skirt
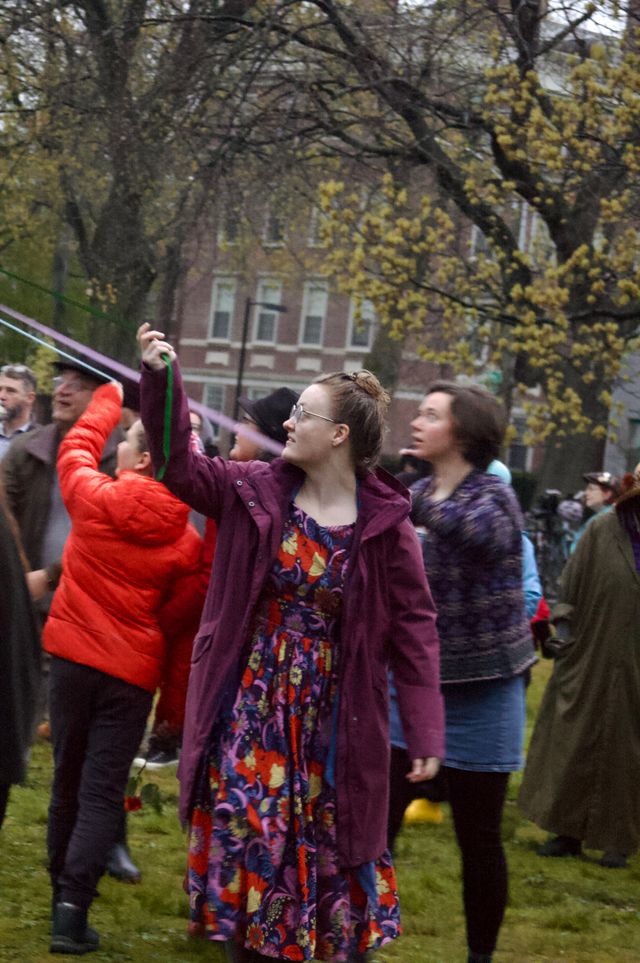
{"x": 485, "y": 724}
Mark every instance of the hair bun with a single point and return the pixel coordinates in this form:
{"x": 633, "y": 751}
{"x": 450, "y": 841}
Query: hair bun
{"x": 369, "y": 383}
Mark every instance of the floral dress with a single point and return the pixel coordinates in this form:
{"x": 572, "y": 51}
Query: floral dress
{"x": 263, "y": 858}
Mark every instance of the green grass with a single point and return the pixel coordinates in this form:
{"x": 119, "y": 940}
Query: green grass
{"x": 560, "y": 910}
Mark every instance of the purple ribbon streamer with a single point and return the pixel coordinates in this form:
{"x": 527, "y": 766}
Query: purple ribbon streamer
{"x": 131, "y": 374}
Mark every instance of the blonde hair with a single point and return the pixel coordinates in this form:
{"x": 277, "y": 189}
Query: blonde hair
{"x": 359, "y": 401}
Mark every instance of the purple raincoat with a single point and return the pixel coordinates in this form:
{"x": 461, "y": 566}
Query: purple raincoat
{"x": 388, "y": 620}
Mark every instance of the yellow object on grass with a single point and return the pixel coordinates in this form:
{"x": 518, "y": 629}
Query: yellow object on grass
{"x": 423, "y": 811}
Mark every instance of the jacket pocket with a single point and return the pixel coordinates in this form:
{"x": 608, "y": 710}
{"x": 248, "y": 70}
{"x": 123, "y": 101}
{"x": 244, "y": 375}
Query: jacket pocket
{"x": 202, "y": 642}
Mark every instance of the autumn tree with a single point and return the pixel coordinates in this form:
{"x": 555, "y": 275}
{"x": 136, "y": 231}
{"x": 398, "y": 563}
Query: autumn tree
{"x": 505, "y": 140}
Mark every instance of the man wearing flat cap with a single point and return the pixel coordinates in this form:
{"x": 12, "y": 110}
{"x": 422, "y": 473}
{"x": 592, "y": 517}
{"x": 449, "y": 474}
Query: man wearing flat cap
{"x": 602, "y": 490}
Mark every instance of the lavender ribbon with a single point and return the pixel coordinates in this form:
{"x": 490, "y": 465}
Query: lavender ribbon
{"x": 130, "y": 374}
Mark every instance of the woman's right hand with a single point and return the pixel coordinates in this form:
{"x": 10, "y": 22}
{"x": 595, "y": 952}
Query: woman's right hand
{"x": 152, "y": 347}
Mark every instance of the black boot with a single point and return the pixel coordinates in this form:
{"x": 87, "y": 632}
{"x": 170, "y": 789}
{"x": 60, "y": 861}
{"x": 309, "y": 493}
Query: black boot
{"x": 121, "y": 866}
{"x": 561, "y": 846}
{"x": 479, "y": 957}
{"x": 90, "y": 935}
{"x": 613, "y": 860}
{"x": 70, "y": 931}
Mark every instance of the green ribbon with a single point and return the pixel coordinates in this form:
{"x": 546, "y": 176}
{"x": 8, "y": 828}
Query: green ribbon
{"x": 168, "y": 411}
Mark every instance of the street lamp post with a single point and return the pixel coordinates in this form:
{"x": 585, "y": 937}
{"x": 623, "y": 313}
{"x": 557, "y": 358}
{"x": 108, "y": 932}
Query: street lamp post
{"x": 248, "y": 304}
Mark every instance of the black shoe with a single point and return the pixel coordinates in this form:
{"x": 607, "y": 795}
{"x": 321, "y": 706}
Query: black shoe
{"x": 91, "y": 935}
{"x": 121, "y": 866}
{"x": 161, "y": 758}
{"x": 70, "y": 931}
{"x": 613, "y": 860}
{"x": 561, "y": 846}
{"x": 479, "y": 957}
{"x": 163, "y": 749}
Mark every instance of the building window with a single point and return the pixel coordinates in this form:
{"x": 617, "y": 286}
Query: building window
{"x": 314, "y": 312}
{"x": 315, "y": 228}
{"x": 214, "y": 397}
{"x": 274, "y": 232}
{"x": 269, "y": 292}
{"x": 478, "y": 243}
{"x": 229, "y": 227}
{"x": 256, "y": 393}
{"x": 223, "y": 302}
{"x": 361, "y": 326}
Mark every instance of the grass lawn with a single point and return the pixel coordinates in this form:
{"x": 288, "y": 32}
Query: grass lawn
{"x": 560, "y": 910}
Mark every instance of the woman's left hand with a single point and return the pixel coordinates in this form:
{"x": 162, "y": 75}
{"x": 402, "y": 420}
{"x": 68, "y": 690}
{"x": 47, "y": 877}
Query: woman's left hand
{"x": 153, "y": 347}
{"x": 423, "y": 769}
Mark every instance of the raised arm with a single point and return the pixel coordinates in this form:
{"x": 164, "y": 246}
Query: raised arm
{"x": 81, "y": 449}
{"x": 194, "y": 478}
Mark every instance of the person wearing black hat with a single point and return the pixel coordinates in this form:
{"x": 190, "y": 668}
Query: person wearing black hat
{"x": 601, "y": 492}
{"x": 267, "y": 416}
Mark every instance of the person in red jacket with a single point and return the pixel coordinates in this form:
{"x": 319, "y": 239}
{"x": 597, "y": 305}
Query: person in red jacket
{"x": 131, "y": 549}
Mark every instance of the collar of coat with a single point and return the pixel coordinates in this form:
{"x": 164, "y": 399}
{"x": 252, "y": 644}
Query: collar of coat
{"x": 43, "y": 443}
{"x": 383, "y": 501}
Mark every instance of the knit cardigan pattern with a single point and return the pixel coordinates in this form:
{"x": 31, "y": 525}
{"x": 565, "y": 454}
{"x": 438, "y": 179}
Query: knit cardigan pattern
{"x": 472, "y": 549}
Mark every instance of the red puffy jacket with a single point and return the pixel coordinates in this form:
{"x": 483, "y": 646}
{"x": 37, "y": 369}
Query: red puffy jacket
{"x": 130, "y": 550}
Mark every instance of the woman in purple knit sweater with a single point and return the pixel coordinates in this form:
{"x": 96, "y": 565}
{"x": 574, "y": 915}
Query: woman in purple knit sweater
{"x": 472, "y": 547}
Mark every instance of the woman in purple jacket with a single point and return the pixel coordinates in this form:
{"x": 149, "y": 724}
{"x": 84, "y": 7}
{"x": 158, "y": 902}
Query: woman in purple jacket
{"x": 472, "y": 547}
{"x": 317, "y": 587}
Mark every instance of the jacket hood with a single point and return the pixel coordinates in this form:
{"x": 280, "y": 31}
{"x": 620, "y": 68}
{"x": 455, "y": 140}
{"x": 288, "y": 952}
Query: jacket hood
{"x": 145, "y": 511}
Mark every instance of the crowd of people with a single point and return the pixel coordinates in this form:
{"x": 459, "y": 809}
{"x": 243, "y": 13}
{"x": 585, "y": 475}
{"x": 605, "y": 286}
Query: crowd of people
{"x": 325, "y": 644}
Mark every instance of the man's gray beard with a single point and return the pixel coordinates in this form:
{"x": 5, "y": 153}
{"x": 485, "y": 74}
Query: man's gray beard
{"x": 11, "y": 414}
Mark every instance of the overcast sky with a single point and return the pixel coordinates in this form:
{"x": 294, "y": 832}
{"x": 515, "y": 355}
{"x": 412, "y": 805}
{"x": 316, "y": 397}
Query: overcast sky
{"x": 603, "y": 19}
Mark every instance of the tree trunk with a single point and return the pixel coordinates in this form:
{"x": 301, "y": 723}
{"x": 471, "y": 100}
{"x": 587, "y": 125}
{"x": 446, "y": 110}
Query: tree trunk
{"x": 59, "y": 274}
{"x": 385, "y": 358}
{"x": 567, "y": 459}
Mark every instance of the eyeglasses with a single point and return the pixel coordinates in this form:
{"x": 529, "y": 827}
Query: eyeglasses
{"x": 298, "y": 411}
{"x": 72, "y": 386}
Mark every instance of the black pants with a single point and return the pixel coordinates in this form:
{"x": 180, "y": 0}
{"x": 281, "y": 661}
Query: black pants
{"x": 477, "y": 800}
{"x": 97, "y": 722}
